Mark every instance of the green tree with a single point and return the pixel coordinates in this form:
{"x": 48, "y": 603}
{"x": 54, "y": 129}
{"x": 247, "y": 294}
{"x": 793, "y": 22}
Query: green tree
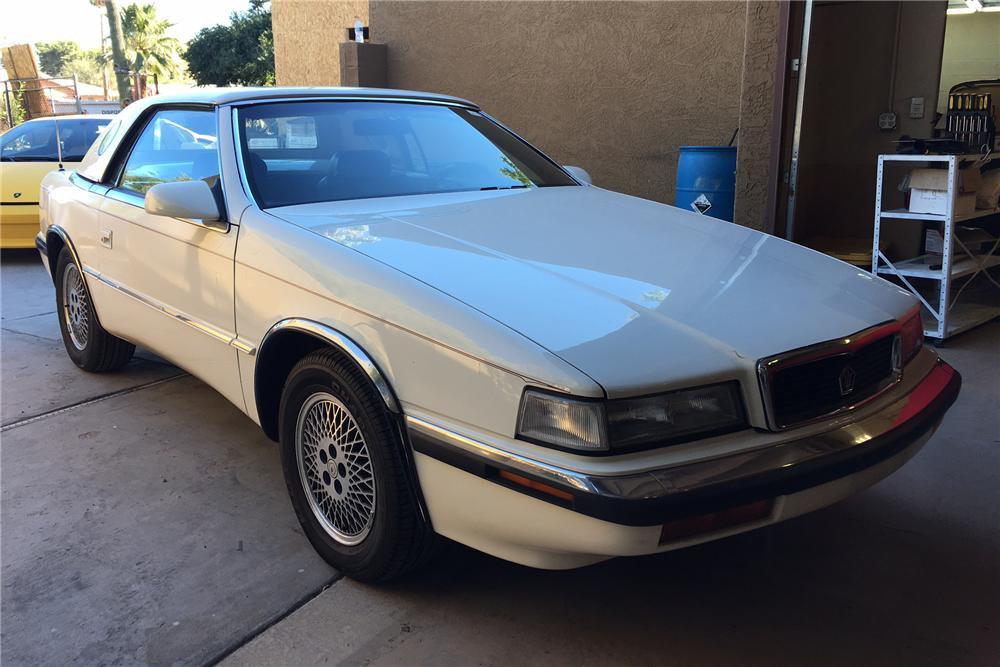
{"x": 240, "y": 53}
{"x": 54, "y": 57}
{"x": 148, "y": 47}
{"x": 64, "y": 59}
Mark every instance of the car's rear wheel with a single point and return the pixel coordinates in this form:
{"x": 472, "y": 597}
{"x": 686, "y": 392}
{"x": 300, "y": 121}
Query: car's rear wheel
{"x": 345, "y": 471}
{"x": 87, "y": 343}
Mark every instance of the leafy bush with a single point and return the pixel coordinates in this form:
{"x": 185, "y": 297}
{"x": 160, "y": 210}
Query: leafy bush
{"x": 240, "y": 53}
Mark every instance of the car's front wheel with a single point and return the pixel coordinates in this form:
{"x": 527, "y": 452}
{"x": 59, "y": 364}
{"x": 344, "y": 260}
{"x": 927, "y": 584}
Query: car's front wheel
{"x": 346, "y": 475}
{"x": 87, "y": 343}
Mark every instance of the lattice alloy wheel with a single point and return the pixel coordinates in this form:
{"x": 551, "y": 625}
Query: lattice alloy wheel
{"x": 75, "y": 307}
{"x": 335, "y": 468}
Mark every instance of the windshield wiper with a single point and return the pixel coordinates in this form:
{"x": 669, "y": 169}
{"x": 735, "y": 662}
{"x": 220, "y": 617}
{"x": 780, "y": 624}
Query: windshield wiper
{"x": 505, "y": 187}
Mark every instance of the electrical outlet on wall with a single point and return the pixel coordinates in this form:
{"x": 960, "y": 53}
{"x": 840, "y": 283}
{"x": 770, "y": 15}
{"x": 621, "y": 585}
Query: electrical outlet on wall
{"x": 887, "y": 120}
{"x": 916, "y": 107}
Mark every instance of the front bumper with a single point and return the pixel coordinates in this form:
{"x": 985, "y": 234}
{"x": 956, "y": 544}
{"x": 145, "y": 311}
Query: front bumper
{"x": 18, "y": 225}
{"x": 833, "y": 462}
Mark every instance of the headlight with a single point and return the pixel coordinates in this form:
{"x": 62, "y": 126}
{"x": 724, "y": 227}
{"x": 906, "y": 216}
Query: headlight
{"x": 562, "y": 421}
{"x": 626, "y": 424}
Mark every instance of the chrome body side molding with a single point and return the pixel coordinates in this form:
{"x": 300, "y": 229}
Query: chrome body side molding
{"x": 343, "y": 343}
{"x": 215, "y": 332}
{"x": 61, "y": 233}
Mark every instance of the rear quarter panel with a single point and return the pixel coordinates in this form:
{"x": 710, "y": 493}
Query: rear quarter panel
{"x": 66, "y": 203}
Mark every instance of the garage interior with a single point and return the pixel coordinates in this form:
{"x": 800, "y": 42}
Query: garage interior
{"x": 874, "y": 77}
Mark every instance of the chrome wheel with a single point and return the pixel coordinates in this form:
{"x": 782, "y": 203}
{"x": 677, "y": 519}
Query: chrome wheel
{"x": 75, "y": 311}
{"x": 335, "y": 468}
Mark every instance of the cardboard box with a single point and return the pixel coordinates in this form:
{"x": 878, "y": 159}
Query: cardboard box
{"x": 929, "y": 191}
{"x": 977, "y": 240}
{"x": 936, "y": 202}
{"x": 937, "y": 179}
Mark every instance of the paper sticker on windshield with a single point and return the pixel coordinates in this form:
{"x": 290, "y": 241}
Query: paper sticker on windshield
{"x": 701, "y": 204}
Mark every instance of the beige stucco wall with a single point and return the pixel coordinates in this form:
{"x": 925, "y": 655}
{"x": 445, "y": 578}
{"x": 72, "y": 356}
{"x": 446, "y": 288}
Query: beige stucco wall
{"x": 614, "y": 87}
{"x": 307, "y": 34}
{"x": 758, "y": 136}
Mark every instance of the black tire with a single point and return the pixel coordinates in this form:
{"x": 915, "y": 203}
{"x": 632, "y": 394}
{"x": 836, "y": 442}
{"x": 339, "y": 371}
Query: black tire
{"x": 396, "y": 538}
{"x": 97, "y": 350}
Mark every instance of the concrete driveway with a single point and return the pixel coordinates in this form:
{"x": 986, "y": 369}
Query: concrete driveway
{"x": 144, "y": 520}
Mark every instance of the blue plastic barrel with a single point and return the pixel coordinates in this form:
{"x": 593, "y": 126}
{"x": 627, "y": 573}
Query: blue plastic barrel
{"x": 706, "y": 180}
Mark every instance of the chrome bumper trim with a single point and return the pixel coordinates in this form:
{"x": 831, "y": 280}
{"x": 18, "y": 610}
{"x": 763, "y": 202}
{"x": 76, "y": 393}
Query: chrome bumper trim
{"x": 640, "y": 498}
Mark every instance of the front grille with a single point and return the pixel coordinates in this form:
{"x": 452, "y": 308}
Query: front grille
{"x": 810, "y": 389}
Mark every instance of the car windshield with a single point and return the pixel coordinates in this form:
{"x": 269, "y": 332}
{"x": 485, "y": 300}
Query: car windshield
{"x": 36, "y": 141}
{"x": 303, "y": 152}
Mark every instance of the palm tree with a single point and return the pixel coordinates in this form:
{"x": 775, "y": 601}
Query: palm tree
{"x": 117, "y": 47}
{"x": 150, "y": 50}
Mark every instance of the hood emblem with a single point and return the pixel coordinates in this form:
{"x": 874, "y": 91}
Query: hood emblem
{"x": 846, "y": 380}
{"x": 16, "y": 195}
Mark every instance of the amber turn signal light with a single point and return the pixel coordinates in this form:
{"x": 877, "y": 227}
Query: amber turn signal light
{"x": 536, "y": 486}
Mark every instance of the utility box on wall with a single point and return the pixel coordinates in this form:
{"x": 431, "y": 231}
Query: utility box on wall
{"x": 363, "y": 64}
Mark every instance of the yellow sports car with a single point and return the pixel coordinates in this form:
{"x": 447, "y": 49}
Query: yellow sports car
{"x": 29, "y": 151}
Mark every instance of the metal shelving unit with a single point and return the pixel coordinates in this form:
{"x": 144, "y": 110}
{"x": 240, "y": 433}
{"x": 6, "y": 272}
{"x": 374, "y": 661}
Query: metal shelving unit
{"x": 949, "y": 317}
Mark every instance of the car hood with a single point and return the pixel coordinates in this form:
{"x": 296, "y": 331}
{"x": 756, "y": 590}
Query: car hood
{"x": 638, "y": 295}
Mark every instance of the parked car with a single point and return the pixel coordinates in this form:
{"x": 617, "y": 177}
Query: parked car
{"x": 29, "y": 151}
{"x": 450, "y": 334}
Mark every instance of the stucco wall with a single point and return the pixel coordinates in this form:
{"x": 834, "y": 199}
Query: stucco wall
{"x": 307, "y": 34}
{"x": 614, "y": 87}
{"x": 758, "y": 136}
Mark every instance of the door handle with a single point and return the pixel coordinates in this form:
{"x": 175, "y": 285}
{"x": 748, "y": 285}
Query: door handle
{"x": 107, "y": 238}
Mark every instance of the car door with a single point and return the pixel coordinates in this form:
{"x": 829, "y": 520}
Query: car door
{"x": 171, "y": 279}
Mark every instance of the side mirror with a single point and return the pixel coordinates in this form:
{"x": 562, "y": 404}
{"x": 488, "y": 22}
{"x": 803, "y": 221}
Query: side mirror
{"x": 184, "y": 199}
{"x": 580, "y": 174}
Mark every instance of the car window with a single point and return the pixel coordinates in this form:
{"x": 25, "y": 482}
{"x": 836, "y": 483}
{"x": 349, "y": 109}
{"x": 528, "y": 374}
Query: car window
{"x": 310, "y": 151}
{"x": 36, "y": 142}
{"x": 78, "y": 134}
{"x": 30, "y": 142}
{"x": 175, "y": 145}
{"x": 107, "y": 135}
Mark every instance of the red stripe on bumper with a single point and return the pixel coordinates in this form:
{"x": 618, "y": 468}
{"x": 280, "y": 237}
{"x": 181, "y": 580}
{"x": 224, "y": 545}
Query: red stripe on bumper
{"x": 925, "y": 392}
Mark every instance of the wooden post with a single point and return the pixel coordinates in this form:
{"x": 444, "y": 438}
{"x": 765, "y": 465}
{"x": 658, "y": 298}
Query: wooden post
{"x": 76, "y": 94}
{"x": 22, "y": 69}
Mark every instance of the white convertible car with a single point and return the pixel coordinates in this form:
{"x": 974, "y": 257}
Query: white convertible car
{"x": 450, "y": 334}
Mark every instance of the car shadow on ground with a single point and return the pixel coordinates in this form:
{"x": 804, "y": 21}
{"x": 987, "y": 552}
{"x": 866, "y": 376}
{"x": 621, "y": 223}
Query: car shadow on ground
{"x": 865, "y": 581}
